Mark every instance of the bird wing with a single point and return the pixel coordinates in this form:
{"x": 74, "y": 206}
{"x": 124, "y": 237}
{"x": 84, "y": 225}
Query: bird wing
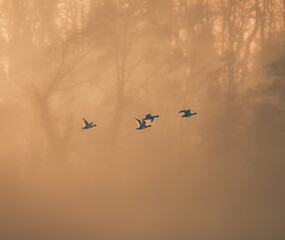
{"x": 85, "y": 122}
{"x": 182, "y": 111}
{"x": 139, "y": 121}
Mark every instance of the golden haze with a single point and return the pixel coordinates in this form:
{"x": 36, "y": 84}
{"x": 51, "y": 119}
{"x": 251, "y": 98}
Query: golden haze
{"x": 218, "y": 175}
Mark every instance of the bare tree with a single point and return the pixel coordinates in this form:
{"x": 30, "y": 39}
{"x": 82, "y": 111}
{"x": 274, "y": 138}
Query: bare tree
{"x": 122, "y": 31}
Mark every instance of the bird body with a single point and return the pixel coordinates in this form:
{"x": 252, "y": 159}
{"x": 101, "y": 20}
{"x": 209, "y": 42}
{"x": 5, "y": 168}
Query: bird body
{"x": 88, "y": 125}
{"x": 150, "y": 117}
{"x": 142, "y": 124}
{"x": 187, "y": 113}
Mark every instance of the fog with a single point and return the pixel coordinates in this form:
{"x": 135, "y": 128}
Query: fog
{"x": 218, "y": 175}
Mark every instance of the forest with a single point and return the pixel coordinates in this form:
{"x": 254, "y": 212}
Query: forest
{"x": 215, "y": 176}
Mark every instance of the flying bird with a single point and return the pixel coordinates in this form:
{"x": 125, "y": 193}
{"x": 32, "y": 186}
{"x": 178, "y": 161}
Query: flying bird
{"x": 87, "y": 124}
{"x": 142, "y": 124}
{"x": 187, "y": 113}
{"x": 150, "y": 117}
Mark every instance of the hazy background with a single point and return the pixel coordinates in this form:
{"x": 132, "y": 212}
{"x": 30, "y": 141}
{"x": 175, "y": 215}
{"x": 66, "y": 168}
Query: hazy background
{"x": 216, "y": 176}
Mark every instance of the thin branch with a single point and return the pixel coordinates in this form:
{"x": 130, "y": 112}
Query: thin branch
{"x": 132, "y": 68}
{"x": 148, "y": 81}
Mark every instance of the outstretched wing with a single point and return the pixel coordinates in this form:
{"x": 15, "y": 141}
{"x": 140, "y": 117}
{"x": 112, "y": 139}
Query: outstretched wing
{"x": 139, "y": 121}
{"x": 85, "y": 122}
{"x": 188, "y": 111}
